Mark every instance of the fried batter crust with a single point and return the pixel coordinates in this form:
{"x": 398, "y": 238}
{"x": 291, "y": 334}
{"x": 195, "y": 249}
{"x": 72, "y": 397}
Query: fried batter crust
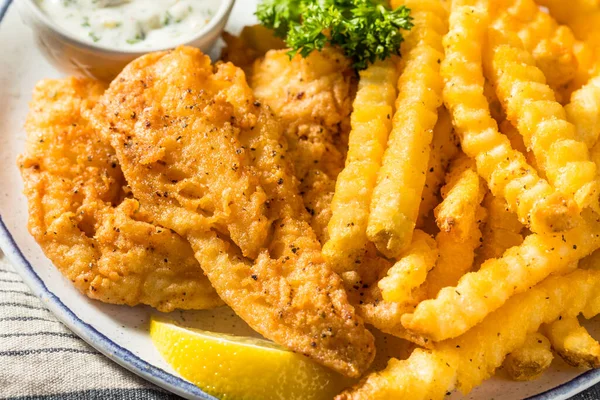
{"x": 313, "y": 98}
{"x": 196, "y": 133}
{"x": 73, "y": 183}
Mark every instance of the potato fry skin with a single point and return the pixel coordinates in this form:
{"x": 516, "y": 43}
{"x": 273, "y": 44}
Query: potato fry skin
{"x": 457, "y": 309}
{"x": 541, "y": 120}
{"x": 410, "y": 271}
{"x": 371, "y": 124}
{"x": 468, "y": 360}
{"x": 530, "y": 360}
{"x": 573, "y": 343}
{"x": 401, "y": 178}
{"x": 505, "y": 170}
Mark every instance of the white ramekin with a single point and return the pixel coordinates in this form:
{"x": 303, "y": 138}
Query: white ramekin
{"x": 75, "y": 56}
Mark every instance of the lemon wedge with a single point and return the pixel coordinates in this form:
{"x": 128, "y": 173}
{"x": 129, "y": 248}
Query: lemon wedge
{"x": 232, "y": 367}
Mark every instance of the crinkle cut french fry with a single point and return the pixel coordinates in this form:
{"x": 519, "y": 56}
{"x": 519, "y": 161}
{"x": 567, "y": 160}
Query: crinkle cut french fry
{"x": 444, "y": 148}
{"x": 456, "y": 257}
{"x": 584, "y": 112}
{"x": 468, "y": 360}
{"x": 573, "y": 343}
{"x": 462, "y": 195}
{"x": 501, "y": 232}
{"x": 371, "y": 124}
{"x": 505, "y": 170}
{"x": 458, "y": 217}
{"x": 410, "y": 271}
{"x": 551, "y": 45}
{"x": 530, "y": 360}
{"x": 531, "y": 106}
{"x": 457, "y": 309}
{"x": 516, "y": 141}
{"x": 400, "y": 181}
{"x": 566, "y": 11}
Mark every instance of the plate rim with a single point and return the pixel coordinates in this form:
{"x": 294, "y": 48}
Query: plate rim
{"x": 156, "y": 375}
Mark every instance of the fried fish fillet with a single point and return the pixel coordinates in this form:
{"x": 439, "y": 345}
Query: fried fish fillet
{"x": 313, "y": 98}
{"x": 205, "y": 158}
{"x": 96, "y": 236}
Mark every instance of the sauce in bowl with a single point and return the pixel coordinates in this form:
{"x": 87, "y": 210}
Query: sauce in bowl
{"x": 131, "y": 25}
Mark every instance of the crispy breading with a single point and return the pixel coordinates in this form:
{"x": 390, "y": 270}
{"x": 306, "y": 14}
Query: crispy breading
{"x": 205, "y": 158}
{"x": 313, "y": 98}
{"x": 79, "y": 215}
{"x": 468, "y": 360}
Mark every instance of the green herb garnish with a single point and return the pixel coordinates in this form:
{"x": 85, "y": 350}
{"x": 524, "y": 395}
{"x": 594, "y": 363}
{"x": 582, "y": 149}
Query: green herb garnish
{"x": 366, "y": 30}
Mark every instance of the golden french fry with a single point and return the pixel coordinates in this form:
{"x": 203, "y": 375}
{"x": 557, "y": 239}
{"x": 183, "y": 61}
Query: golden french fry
{"x": 458, "y": 309}
{"x": 468, "y": 360}
{"x": 505, "y": 170}
{"x": 458, "y": 217}
{"x": 400, "y": 181}
{"x": 584, "y": 112}
{"x": 410, "y": 271}
{"x": 501, "y": 232}
{"x": 462, "y": 195}
{"x": 444, "y": 148}
{"x": 540, "y": 119}
{"x": 371, "y": 124}
{"x": 567, "y": 11}
{"x": 573, "y": 343}
{"x": 551, "y": 45}
{"x": 530, "y": 360}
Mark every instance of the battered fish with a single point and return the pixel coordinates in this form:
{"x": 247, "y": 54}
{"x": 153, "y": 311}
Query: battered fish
{"x": 83, "y": 220}
{"x": 205, "y": 158}
{"x": 313, "y": 98}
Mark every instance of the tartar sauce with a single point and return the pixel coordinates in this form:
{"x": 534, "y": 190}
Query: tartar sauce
{"x": 131, "y": 24}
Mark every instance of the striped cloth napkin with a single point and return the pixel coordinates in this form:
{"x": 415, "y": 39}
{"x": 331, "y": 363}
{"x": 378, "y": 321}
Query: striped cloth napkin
{"x": 41, "y": 359}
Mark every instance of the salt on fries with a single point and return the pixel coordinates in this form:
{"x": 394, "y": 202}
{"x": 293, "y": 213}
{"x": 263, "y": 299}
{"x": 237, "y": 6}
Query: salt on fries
{"x": 516, "y": 224}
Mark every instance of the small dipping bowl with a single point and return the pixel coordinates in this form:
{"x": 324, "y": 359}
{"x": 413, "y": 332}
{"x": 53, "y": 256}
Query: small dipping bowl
{"x": 72, "y": 55}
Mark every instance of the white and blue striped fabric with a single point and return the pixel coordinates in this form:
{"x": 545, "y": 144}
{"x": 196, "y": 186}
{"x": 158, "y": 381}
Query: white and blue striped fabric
{"x": 41, "y": 359}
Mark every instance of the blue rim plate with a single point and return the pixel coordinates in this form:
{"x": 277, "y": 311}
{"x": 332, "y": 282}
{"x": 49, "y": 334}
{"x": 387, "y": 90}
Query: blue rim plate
{"x": 135, "y": 364}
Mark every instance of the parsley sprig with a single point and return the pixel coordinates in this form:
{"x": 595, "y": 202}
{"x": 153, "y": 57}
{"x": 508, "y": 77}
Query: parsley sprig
{"x": 366, "y": 30}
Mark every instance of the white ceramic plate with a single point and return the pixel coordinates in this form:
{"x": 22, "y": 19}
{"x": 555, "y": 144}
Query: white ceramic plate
{"x": 121, "y": 332}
